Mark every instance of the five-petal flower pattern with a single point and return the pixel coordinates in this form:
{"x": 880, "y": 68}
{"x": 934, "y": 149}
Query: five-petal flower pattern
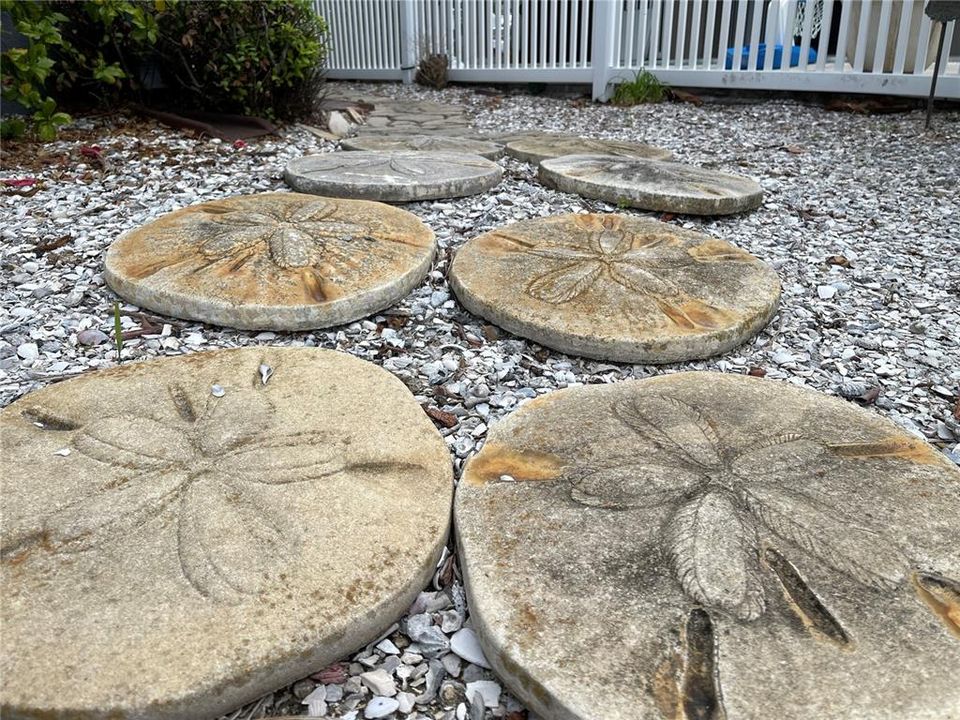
{"x": 210, "y": 463}
{"x": 725, "y": 502}
{"x": 663, "y": 174}
{"x": 645, "y": 263}
{"x": 292, "y": 235}
{"x": 398, "y": 165}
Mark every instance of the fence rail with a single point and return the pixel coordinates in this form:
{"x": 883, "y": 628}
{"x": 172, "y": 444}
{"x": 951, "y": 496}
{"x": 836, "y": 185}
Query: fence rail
{"x": 868, "y": 46}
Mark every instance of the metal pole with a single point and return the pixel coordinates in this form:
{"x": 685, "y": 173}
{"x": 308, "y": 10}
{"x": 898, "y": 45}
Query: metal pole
{"x": 936, "y": 71}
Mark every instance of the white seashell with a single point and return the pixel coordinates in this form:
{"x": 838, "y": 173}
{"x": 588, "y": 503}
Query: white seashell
{"x": 217, "y": 391}
{"x": 852, "y": 389}
{"x": 266, "y": 372}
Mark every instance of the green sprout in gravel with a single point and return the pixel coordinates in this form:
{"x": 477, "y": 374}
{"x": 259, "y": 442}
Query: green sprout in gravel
{"x": 644, "y": 88}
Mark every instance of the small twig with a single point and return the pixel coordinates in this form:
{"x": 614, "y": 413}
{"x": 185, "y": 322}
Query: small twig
{"x": 23, "y": 193}
{"x": 59, "y": 377}
{"x": 145, "y": 319}
{"x": 117, "y": 329}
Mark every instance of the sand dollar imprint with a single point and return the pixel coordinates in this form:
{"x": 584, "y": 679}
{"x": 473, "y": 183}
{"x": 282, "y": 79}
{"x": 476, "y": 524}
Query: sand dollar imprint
{"x": 737, "y": 519}
{"x": 653, "y": 292}
{"x": 397, "y": 176}
{"x": 273, "y": 260}
{"x": 653, "y": 184}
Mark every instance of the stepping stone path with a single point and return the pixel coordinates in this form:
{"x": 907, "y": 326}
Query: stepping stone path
{"x": 392, "y": 176}
{"x": 425, "y": 143}
{"x": 535, "y": 149}
{"x": 652, "y": 184}
{"x": 184, "y": 535}
{"x": 278, "y": 261}
{"x": 703, "y": 545}
{"x": 616, "y": 287}
{"x": 410, "y": 116}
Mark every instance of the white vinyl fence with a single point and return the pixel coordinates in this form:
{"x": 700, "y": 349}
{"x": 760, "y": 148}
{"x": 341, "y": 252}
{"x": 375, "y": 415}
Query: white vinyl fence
{"x": 850, "y": 46}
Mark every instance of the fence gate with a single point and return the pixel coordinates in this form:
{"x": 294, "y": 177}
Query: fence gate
{"x": 851, "y": 46}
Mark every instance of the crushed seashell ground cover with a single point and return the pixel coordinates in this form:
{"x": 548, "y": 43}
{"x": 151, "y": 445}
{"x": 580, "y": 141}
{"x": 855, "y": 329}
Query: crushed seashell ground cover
{"x": 860, "y": 219}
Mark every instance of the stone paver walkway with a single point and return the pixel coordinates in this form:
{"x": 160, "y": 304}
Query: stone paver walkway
{"x": 422, "y": 117}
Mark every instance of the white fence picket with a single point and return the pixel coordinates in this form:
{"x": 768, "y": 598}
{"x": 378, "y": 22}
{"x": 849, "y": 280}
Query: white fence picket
{"x": 694, "y": 55}
{"x": 921, "y": 55}
{"x": 805, "y": 36}
{"x": 708, "y": 37}
{"x": 771, "y": 36}
{"x": 754, "y": 40}
{"x": 681, "y": 34}
{"x": 881, "y": 46}
{"x": 825, "y": 27}
{"x": 886, "y": 7}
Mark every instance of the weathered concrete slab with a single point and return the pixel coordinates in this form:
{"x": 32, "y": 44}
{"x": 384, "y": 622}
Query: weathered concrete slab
{"x": 424, "y": 143}
{"x": 392, "y": 176}
{"x": 278, "y": 261}
{"x": 183, "y": 536}
{"x": 713, "y": 546}
{"x": 535, "y": 149}
{"x": 616, "y": 287}
{"x": 652, "y": 184}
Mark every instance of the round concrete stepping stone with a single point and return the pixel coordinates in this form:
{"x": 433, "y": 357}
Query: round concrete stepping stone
{"x": 423, "y": 143}
{"x": 535, "y": 149}
{"x": 652, "y": 184}
{"x": 392, "y": 176}
{"x": 182, "y": 536}
{"x": 273, "y": 261}
{"x": 704, "y": 545}
{"x": 616, "y": 287}
{"x": 508, "y": 136}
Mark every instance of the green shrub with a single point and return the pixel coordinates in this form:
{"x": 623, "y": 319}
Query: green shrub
{"x": 105, "y": 44}
{"x": 263, "y": 57}
{"x": 258, "y": 58}
{"x": 26, "y": 70}
{"x": 644, "y": 88}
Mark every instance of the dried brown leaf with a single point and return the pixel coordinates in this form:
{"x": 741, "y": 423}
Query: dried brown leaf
{"x": 448, "y": 420}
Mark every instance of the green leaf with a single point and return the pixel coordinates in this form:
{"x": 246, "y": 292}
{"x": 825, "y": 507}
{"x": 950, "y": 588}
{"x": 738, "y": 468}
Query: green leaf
{"x": 12, "y": 128}
{"x": 46, "y": 132}
{"x": 109, "y": 74}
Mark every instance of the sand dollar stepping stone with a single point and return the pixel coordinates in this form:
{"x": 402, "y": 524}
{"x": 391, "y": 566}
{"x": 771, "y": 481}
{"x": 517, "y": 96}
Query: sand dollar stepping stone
{"x": 714, "y": 546}
{"x": 616, "y": 287}
{"x": 278, "y": 261}
{"x": 392, "y": 176}
{"x": 534, "y": 149}
{"x": 182, "y": 536}
{"x": 509, "y": 136}
{"x": 425, "y": 143}
{"x": 652, "y": 184}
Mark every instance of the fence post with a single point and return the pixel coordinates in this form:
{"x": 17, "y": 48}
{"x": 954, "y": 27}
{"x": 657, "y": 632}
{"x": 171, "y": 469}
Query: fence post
{"x": 603, "y": 14}
{"x": 409, "y": 40}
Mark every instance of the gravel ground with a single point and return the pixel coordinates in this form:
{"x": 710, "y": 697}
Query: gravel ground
{"x": 861, "y": 220}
